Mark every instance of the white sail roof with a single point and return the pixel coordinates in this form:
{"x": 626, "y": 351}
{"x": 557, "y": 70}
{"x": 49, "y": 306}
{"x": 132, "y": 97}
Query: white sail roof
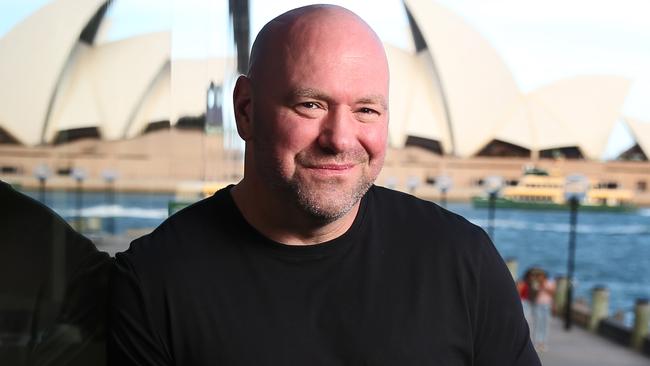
{"x": 127, "y": 69}
{"x": 400, "y": 64}
{"x": 641, "y": 133}
{"x": 579, "y": 111}
{"x": 529, "y": 124}
{"x": 426, "y": 115}
{"x": 587, "y": 106}
{"x": 415, "y": 105}
{"x": 180, "y": 90}
{"x": 190, "y": 80}
{"x": 46, "y": 38}
{"x": 103, "y": 86}
{"x": 75, "y": 104}
{"x": 476, "y": 84}
{"x": 156, "y": 104}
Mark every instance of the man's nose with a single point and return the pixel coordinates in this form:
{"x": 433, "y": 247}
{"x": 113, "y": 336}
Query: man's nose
{"x": 338, "y": 131}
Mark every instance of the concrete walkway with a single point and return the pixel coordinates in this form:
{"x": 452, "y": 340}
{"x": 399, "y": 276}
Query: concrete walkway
{"x": 579, "y": 347}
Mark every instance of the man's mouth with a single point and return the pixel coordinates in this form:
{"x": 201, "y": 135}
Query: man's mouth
{"x": 334, "y": 167}
{"x": 338, "y": 165}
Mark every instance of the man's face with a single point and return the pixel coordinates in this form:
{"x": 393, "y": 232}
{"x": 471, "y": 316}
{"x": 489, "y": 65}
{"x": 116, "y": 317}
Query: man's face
{"x": 321, "y": 123}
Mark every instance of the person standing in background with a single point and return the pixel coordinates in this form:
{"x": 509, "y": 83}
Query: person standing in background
{"x": 540, "y": 297}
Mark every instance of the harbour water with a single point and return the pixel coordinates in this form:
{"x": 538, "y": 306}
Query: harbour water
{"x": 613, "y": 249}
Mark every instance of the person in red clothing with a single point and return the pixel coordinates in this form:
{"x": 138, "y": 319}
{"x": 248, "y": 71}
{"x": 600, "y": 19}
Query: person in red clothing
{"x": 541, "y": 294}
{"x": 523, "y": 288}
{"x": 536, "y": 292}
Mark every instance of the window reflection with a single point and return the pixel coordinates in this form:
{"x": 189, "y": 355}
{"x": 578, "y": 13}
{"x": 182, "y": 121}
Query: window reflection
{"x": 111, "y": 117}
{"x": 54, "y": 287}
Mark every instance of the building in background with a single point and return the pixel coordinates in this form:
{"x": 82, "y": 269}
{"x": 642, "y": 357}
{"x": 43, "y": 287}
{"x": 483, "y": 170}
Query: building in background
{"x": 69, "y": 101}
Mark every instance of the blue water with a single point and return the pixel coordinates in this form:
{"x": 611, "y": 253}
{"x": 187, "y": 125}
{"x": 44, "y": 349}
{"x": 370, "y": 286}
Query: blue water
{"x": 126, "y": 211}
{"x": 613, "y": 249}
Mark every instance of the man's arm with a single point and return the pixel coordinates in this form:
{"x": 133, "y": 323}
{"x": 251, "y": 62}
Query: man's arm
{"x": 502, "y": 335}
{"x": 132, "y": 335}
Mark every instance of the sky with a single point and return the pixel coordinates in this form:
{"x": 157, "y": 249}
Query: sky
{"x": 540, "y": 41}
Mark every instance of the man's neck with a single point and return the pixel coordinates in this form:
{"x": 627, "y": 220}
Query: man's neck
{"x": 293, "y": 226}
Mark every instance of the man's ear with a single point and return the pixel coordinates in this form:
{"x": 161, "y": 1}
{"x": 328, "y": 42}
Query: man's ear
{"x": 242, "y": 103}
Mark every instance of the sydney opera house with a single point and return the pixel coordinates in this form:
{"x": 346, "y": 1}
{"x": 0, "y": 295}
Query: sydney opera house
{"x": 69, "y": 100}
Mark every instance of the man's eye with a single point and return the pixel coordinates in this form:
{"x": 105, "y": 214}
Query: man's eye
{"x": 310, "y": 109}
{"x": 309, "y": 105}
{"x": 368, "y": 111}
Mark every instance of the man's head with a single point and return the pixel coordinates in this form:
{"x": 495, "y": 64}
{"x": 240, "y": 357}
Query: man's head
{"x": 314, "y": 110}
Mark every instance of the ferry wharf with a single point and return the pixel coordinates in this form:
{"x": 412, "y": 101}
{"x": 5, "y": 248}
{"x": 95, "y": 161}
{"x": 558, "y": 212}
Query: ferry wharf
{"x": 579, "y": 347}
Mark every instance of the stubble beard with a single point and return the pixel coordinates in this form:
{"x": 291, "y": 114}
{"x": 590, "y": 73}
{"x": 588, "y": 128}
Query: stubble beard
{"x": 324, "y": 200}
{"x": 329, "y": 203}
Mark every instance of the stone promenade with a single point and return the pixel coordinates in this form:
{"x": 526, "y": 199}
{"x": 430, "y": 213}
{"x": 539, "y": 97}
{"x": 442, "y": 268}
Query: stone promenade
{"x": 581, "y": 348}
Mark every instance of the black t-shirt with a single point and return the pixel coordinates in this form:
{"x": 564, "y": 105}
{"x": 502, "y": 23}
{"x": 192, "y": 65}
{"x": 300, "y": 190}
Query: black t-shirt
{"x": 408, "y": 284}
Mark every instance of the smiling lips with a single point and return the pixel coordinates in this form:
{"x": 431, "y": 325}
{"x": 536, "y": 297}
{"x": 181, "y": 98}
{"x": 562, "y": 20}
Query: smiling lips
{"x": 330, "y": 170}
{"x": 339, "y": 164}
{"x": 333, "y": 167}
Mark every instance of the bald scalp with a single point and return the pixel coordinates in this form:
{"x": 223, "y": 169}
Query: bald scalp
{"x": 274, "y": 41}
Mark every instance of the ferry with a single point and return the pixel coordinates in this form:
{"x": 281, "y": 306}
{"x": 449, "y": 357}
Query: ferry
{"x": 537, "y": 190}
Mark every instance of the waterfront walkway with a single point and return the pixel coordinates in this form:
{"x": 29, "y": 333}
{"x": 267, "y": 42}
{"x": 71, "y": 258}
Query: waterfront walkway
{"x": 579, "y": 347}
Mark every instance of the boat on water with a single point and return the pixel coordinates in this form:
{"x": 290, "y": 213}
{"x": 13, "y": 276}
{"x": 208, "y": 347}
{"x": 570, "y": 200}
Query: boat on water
{"x": 537, "y": 190}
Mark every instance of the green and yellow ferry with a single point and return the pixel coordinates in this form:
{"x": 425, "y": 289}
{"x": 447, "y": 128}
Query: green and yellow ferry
{"x": 537, "y": 190}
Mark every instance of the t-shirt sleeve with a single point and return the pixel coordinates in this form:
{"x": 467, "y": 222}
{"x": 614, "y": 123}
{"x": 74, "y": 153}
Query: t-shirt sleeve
{"x": 502, "y": 336}
{"x": 132, "y": 338}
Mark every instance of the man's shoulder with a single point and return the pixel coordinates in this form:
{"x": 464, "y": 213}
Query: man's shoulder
{"x": 185, "y": 231}
{"x": 403, "y": 207}
{"x": 425, "y": 224}
{"x": 204, "y": 214}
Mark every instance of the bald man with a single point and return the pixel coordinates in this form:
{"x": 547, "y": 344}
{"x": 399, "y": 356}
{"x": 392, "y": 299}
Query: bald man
{"x": 304, "y": 261}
